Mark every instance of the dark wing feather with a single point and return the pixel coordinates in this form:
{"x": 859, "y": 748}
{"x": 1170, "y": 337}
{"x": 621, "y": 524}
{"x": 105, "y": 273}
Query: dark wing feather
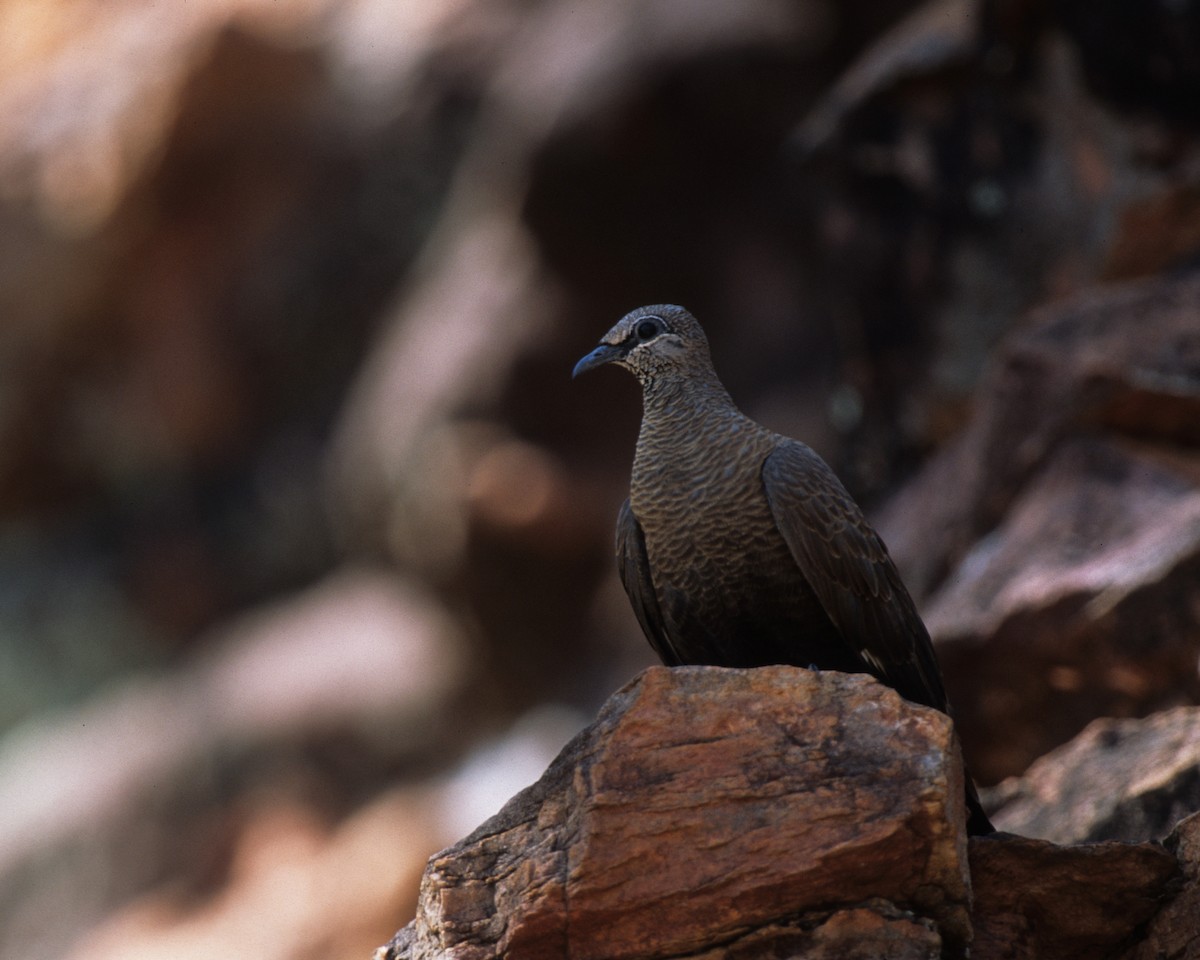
{"x": 849, "y": 570}
{"x": 633, "y": 564}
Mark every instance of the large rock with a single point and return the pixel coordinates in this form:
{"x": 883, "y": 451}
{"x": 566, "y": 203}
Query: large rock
{"x": 1122, "y": 361}
{"x": 1082, "y": 603}
{"x": 1057, "y": 543}
{"x": 1034, "y": 899}
{"x": 1174, "y": 933}
{"x": 1118, "y": 780}
{"x": 729, "y": 815}
{"x": 706, "y": 805}
{"x": 875, "y": 929}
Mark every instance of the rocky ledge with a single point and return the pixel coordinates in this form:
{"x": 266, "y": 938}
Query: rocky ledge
{"x": 715, "y": 813}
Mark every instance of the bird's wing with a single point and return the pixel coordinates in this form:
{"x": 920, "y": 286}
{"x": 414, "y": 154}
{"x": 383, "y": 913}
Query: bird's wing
{"x": 633, "y": 564}
{"x": 849, "y": 569}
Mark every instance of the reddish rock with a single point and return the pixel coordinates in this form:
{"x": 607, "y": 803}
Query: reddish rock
{"x": 1057, "y": 543}
{"x": 704, "y": 804}
{"x": 729, "y": 815}
{"x": 1122, "y": 360}
{"x": 1034, "y": 899}
{"x": 1174, "y": 934}
{"x": 1158, "y": 233}
{"x": 1083, "y": 602}
{"x": 1118, "y": 780}
{"x": 874, "y": 930}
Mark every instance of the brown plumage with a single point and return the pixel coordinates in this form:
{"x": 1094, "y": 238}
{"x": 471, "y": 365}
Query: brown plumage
{"x": 739, "y": 547}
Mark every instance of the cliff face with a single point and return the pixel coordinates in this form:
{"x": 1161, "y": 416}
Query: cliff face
{"x": 779, "y": 812}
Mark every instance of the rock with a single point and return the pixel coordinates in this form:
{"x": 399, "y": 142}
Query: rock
{"x": 1162, "y": 78}
{"x": 1034, "y": 899}
{"x": 159, "y": 325}
{"x": 1060, "y": 577}
{"x": 1122, "y": 361}
{"x": 1118, "y": 780}
{"x": 1159, "y": 234}
{"x": 158, "y": 776}
{"x": 1082, "y": 603}
{"x": 1174, "y": 934}
{"x": 935, "y": 35}
{"x": 1019, "y": 186}
{"x": 727, "y": 815}
{"x": 861, "y": 933}
{"x": 705, "y": 805}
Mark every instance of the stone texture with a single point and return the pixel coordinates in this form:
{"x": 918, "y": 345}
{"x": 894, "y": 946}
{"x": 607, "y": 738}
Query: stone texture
{"x": 1057, "y": 543}
{"x": 1174, "y": 934}
{"x": 1118, "y": 780}
{"x": 876, "y": 929}
{"x": 703, "y": 804}
{"x": 1072, "y": 368}
{"x": 1034, "y": 899}
{"x": 1083, "y": 602}
{"x": 728, "y": 815}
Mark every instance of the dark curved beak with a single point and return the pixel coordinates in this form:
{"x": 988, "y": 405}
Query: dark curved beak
{"x": 597, "y": 358}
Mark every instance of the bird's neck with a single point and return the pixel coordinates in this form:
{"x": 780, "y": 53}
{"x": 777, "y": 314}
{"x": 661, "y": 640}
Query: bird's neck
{"x": 679, "y": 400}
{"x": 680, "y": 416}
{"x": 688, "y": 429}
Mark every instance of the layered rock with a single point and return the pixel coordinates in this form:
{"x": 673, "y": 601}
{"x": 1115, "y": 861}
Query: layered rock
{"x": 1057, "y": 542}
{"x": 705, "y": 806}
{"x": 1174, "y": 933}
{"x": 1117, "y": 780}
{"x": 1036, "y": 899}
{"x": 775, "y": 812}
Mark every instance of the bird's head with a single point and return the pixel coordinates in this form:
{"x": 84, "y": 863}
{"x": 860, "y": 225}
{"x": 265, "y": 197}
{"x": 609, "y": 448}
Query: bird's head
{"x": 652, "y": 342}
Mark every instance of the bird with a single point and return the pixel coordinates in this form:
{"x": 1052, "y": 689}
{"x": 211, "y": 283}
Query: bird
{"x": 740, "y": 547}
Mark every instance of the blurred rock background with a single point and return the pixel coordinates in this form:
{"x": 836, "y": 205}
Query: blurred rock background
{"x": 306, "y": 535}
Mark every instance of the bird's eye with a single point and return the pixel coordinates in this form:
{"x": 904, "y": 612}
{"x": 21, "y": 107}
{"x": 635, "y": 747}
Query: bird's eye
{"x": 648, "y": 329}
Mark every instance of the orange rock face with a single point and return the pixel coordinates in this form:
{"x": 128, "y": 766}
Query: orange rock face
{"x": 705, "y": 804}
{"x": 737, "y": 814}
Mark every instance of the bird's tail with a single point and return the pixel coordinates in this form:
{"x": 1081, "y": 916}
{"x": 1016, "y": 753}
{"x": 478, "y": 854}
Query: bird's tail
{"x": 978, "y": 823}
